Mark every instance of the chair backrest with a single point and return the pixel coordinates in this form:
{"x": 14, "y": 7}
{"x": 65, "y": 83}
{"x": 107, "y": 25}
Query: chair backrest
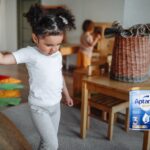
{"x": 77, "y": 80}
{"x": 78, "y": 76}
{"x": 95, "y": 56}
{"x": 93, "y": 70}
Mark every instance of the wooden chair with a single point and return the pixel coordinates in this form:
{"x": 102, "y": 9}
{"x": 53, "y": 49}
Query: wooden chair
{"x": 78, "y": 75}
{"x": 107, "y": 104}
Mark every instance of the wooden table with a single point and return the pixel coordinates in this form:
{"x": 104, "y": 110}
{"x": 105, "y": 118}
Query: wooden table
{"x": 68, "y": 49}
{"x": 105, "y": 85}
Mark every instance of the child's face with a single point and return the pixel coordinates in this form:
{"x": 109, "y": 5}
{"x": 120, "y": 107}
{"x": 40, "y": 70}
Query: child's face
{"x": 91, "y": 28}
{"x": 48, "y": 45}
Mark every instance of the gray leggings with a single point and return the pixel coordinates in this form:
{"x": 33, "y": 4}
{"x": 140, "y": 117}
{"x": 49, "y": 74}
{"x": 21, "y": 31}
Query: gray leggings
{"x": 46, "y": 120}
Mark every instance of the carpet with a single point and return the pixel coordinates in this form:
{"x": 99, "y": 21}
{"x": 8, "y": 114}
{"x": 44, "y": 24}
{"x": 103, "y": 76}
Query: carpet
{"x": 10, "y": 137}
{"x": 69, "y": 131}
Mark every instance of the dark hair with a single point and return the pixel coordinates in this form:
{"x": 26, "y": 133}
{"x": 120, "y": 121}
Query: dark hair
{"x": 53, "y": 21}
{"x": 87, "y": 24}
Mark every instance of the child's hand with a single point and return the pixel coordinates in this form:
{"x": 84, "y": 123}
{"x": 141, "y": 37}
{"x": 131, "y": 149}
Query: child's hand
{"x": 68, "y": 101}
{"x": 98, "y": 36}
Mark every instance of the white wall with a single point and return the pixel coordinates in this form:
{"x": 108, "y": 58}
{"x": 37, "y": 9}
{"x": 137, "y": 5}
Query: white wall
{"x": 2, "y": 25}
{"x": 97, "y": 10}
{"x": 11, "y": 24}
{"x": 136, "y": 12}
{"x": 128, "y": 12}
{"x": 8, "y": 27}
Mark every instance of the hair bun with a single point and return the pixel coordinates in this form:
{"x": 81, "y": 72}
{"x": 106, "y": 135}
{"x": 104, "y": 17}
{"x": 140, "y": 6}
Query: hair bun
{"x": 34, "y": 14}
{"x": 51, "y": 21}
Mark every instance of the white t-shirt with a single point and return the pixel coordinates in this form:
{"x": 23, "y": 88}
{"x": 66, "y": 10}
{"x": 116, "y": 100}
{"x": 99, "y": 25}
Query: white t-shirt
{"x": 45, "y": 75}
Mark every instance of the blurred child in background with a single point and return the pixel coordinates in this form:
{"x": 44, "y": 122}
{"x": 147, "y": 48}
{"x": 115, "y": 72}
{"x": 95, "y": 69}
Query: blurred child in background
{"x": 87, "y": 42}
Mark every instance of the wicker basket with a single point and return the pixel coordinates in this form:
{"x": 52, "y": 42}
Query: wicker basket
{"x": 130, "y": 58}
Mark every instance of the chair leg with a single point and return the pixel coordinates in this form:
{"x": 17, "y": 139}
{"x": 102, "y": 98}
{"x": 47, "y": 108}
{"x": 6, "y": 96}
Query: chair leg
{"x": 110, "y": 125}
{"x": 127, "y": 120}
{"x": 88, "y": 117}
{"x": 115, "y": 117}
{"x": 104, "y": 115}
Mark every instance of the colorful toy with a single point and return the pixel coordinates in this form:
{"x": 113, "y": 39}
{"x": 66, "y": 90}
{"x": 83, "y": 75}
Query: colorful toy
{"x": 10, "y": 90}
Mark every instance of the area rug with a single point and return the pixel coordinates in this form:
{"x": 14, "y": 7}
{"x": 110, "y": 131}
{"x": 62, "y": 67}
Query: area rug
{"x": 10, "y": 137}
{"x": 69, "y": 131}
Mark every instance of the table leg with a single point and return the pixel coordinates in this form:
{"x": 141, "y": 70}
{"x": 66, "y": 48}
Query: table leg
{"x": 84, "y": 107}
{"x": 127, "y": 120}
{"x": 146, "y": 140}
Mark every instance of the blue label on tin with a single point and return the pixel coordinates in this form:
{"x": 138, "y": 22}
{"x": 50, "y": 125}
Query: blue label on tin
{"x": 139, "y": 110}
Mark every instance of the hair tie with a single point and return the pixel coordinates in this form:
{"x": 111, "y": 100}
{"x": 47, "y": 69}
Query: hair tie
{"x": 54, "y": 24}
{"x": 65, "y": 21}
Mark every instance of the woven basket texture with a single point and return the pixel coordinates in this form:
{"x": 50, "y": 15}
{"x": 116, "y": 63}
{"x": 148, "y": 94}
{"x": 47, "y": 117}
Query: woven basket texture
{"x": 131, "y": 58}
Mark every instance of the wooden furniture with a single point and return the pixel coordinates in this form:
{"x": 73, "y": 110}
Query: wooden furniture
{"x": 106, "y": 43}
{"x": 146, "y": 140}
{"x": 107, "y": 104}
{"x": 105, "y": 85}
{"x": 78, "y": 75}
{"x": 10, "y": 136}
{"x": 96, "y": 58}
{"x": 68, "y": 49}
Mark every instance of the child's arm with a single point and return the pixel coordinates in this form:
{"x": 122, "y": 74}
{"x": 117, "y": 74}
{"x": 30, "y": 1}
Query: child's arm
{"x": 96, "y": 40}
{"x": 91, "y": 41}
{"x": 7, "y": 59}
{"x": 68, "y": 100}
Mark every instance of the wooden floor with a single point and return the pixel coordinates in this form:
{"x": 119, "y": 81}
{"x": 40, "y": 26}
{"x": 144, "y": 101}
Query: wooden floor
{"x": 20, "y": 72}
